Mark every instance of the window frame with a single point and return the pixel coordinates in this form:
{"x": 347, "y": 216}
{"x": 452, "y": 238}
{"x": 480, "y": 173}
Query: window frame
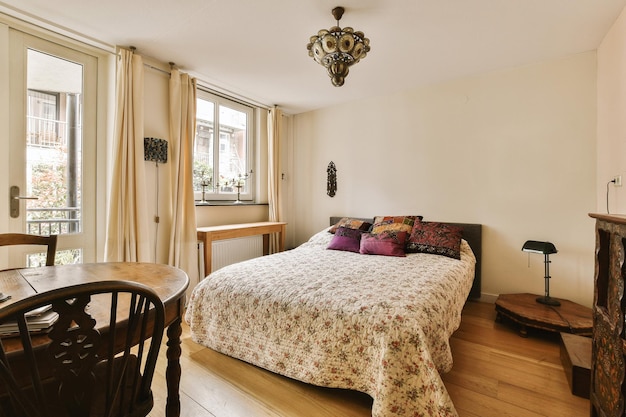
{"x": 247, "y": 194}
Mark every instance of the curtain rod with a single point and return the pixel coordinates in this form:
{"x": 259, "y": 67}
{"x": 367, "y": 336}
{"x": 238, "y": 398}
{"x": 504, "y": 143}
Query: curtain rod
{"x": 157, "y": 69}
{"x": 232, "y": 96}
{"x": 224, "y": 93}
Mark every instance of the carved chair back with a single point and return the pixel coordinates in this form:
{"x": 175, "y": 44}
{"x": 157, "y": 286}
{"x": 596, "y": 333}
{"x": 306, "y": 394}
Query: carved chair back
{"x": 97, "y": 359}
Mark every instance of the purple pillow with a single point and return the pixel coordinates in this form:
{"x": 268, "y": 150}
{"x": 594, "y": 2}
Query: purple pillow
{"x": 387, "y": 243}
{"x": 346, "y": 239}
{"x": 436, "y": 238}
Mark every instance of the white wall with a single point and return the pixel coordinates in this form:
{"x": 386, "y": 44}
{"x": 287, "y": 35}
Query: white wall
{"x": 611, "y": 117}
{"x": 513, "y": 150}
{"x": 228, "y": 214}
{"x": 156, "y": 125}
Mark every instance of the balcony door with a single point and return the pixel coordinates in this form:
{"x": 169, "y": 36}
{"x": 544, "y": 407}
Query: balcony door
{"x": 52, "y": 148}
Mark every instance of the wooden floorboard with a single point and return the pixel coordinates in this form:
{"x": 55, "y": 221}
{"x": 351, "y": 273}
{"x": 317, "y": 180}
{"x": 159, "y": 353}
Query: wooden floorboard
{"x": 496, "y": 373}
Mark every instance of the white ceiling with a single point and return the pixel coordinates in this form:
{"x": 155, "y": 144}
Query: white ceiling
{"x": 257, "y": 48}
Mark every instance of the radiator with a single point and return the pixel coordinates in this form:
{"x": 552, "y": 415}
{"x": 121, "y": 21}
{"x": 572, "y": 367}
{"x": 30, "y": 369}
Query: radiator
{"x": 230, "y": 251}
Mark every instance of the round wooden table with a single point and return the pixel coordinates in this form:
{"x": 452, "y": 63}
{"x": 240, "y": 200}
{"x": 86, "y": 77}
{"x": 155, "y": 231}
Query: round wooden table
{"x": 168, "y": 282}
{"x": 523, "y": 309}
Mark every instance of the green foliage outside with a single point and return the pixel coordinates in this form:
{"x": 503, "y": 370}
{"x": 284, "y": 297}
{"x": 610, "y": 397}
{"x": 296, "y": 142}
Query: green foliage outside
{"x": 202, "y": 172}
{"x": 49, "y": 183}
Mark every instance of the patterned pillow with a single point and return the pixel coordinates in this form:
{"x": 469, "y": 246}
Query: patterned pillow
{"x": 400, "y": 223}
{"x": 387, "y": 243}
{"x": 346, "y": 239}
{"x": 436, "y": 238}
{"x": 351, "y": 224}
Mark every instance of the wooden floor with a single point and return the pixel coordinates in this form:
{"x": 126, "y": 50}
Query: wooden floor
{"x": 496, "y": 373}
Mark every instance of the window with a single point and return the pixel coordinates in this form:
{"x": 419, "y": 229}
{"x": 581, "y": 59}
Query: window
{"x": 222, "y": 168}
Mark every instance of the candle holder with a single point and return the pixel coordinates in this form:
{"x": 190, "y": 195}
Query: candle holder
{"x": 204, "y": 184}
{"x": 239, "y": 183}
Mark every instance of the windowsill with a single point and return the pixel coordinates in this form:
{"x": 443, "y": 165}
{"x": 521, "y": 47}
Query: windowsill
{"x": 228, "y": 203}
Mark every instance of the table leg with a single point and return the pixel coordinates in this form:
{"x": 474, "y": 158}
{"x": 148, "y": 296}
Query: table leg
{"x": 173, "y": 371}
{"x": 266, "y": 244}
{"x": 282, "y": 236}
{"x": 523, "y": 331}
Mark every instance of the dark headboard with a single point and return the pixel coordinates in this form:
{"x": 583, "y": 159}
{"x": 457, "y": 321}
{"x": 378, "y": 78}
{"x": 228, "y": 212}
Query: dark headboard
{"x": 472, "y": 233}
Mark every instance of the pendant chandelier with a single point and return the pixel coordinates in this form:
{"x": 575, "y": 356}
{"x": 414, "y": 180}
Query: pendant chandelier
{"x": 338, "y": 49}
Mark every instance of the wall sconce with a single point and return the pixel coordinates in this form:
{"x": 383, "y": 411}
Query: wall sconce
{"x": 155, "y": 150}
{"x": 546, "y": 248}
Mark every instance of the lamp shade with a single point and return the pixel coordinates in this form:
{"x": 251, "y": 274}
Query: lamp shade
{"x": 535, "y": 246}
{"x": 337, "y": 49}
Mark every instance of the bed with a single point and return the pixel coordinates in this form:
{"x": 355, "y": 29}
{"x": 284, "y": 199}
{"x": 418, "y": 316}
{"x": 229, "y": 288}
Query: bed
{"x": 375, "y": 324}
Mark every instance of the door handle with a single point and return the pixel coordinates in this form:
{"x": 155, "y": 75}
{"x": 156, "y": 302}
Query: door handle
{"x": 14, "y": 200}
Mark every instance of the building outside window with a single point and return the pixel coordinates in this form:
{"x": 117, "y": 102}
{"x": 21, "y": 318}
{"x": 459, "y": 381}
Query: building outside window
{"x": 222, "y": 168}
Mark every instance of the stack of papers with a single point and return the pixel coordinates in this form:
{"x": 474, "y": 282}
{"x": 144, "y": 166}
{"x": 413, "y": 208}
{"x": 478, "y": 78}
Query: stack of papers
{"x": 38, "y": 321}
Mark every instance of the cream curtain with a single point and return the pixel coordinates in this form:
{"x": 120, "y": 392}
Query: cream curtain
{"x": 183, "y": 252}
{"x": 274, "y": 171}
{"x": 128, "y": 236}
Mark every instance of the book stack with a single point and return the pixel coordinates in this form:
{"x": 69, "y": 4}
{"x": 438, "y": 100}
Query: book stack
{"x": 38, "y": 321}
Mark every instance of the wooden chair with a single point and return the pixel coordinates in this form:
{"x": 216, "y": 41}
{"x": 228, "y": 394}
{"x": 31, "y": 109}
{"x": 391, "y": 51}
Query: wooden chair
{"x": 8, "y": 239}
{"x": 97, "y": 359}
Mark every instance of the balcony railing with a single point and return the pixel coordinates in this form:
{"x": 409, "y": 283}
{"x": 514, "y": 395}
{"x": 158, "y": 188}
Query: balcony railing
{"x": 53, "y": 221}
{"x": 45, "y": 132}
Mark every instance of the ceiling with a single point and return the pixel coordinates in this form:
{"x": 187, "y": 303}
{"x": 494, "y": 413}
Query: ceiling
{"x": 257, "y": 49}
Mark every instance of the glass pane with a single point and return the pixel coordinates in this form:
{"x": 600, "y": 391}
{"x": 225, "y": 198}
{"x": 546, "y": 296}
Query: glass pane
{"x": 63, "y": 257}
{"x": 233, "y": 130}
{"x": 203, "y": 152}
{"x": 53, "y": 144}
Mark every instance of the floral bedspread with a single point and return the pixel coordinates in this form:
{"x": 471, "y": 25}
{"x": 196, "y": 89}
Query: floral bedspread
{"x": 375, "y": 324}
